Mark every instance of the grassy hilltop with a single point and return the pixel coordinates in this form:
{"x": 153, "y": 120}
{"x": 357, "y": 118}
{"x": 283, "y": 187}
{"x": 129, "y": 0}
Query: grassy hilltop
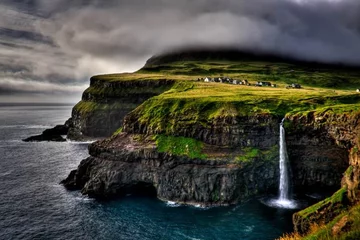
{"x": 323, "y": 85}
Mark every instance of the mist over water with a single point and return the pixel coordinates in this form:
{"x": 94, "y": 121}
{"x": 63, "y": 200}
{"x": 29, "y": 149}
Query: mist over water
{"x": 34, "y": 206}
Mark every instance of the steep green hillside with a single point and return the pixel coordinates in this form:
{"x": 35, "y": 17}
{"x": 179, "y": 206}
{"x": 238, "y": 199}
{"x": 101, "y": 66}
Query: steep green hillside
{"x": 190, "y": 100}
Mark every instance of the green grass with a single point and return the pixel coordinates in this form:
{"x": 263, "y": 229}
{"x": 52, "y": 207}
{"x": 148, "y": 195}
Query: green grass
{"x": 200, "y": 103}
{"x": 120, "y": 130}
{"x": 277, "y": 72}
{"x": 324, "y": 89}
{"x": 125, "y": 91}
{"x": 351, "y": 231}
{"x": 85, "y": 107}
{"x": 349, "y": 170}
{"x": 190, "y": 102}
{"x": 337, "y": 198}
{"x": 320, "y": 76}
{"x": 180, "y": 146}
{"x": 249, "y": 155}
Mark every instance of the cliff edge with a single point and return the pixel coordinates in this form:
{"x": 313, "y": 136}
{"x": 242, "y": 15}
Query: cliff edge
{"x": 172, "y": 135}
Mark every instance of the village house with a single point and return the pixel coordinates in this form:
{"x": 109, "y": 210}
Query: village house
{"x": 263, "y": 84}
{"x": 245, "y": 82}
{"x": 226, "y": 80}
{"x": 294, "y": 85}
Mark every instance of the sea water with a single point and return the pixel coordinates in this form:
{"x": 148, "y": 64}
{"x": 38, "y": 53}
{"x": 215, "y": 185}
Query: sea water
{"x": 34, "y": 206}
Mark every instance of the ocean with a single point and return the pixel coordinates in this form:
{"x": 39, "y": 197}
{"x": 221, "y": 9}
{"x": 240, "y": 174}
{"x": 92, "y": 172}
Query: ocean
{"x": 33, "y": 205}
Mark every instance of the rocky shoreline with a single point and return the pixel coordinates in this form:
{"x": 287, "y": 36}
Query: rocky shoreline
{"x": 124, "y": 165}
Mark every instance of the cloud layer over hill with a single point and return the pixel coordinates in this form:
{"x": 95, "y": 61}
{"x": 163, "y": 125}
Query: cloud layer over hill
{"x": 52, "y": 47}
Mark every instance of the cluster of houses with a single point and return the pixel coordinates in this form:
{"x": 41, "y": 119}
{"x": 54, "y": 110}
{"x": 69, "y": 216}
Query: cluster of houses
{"x": 294, "y": 85}
{"x": 244, "y": 82}
{"x": 236, "y": 81}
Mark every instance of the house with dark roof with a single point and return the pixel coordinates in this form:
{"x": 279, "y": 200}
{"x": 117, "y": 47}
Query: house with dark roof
{"x": 263, "y": 84}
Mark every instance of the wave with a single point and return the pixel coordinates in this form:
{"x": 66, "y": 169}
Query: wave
{"x": 4, "y": 174}
{"x": 84, "y": 199}
{"x": 11, "y": 141}
{"x": 172, "y": 204}
{"x": 79, "y": 142}
{"x": 187, "y": 237}
{"x": 249, "y": 228}
{"x": 25, "y": 126}
{"x": 177, "y": 204}
{"x": 203, "y": 207}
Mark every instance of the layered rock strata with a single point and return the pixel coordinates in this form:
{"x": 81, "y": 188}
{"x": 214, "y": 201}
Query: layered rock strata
{"x": 342, "y": 129}
{"x": 105, "y": 103}
{"x": 124, "y": 165}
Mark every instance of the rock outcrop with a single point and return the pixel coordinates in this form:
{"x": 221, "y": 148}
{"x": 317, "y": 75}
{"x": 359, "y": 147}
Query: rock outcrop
{"x": 105, "y": 103}
{"x": 341, "y": 129}
{"x": 54, "y": 134}
{"x": 124, "y": 165}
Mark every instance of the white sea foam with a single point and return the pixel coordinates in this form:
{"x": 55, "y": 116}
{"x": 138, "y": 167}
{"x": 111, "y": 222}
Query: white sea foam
{"x": 79, "y": 142}
{"x": 279, "y": 203}
{"x": 25, "y": 126}
{"x": 249, "y": 228}
{"x": 84, "y": 199}
{"x": 172, "y": 204}
{"x": 187, "y": 237}
{"x": 4, "y": 174}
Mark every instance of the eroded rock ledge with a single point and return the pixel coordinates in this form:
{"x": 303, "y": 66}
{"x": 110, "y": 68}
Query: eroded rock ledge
{"x": 105, "y": 103}
{"x": 124, "y": 165}
{"x": 341, "y": 129}
{"x": 131, "y": 163}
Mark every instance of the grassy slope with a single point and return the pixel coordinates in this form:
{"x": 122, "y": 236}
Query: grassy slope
{"x": 322, "y": 86}
{"x": 252, "y": 70}
{"x": 321, "y": 76}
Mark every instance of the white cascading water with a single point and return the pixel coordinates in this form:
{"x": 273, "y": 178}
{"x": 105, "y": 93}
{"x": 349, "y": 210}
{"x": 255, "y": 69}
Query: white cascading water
{"x": 284, "y": 200}
{"x": 283, "y": 164}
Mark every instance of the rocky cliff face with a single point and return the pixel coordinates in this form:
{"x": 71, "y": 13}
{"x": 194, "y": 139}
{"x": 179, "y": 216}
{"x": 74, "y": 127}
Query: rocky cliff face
{"x": 318, "y": 150}
{"x": 342, "y": 130}
{"x": 124, "y": 164}
{"x": 105, "y": 103}
{"x": 259, "y": 131}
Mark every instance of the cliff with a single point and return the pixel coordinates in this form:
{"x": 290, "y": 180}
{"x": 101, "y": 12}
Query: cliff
{"x": 131, "y": 164}
{"x": 216, "y": 144}
{"x": 337, "y": 215}
{"x": 227, "y": 150}
{"x": 105, "y": 103}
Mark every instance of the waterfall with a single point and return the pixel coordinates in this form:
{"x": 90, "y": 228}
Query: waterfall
{"x": 283, "y": 164}
{"x": 284, "y": 200}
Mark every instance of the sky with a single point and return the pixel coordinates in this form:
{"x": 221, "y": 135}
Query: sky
{"x": 50, "y": 48}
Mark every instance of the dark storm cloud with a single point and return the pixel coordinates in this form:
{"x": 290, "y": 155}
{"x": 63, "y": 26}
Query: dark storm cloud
{"x": 52, "y": 44}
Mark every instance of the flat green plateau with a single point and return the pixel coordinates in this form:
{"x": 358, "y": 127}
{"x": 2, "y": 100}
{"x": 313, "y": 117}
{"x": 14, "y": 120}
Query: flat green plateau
{"x": 323, "y": 87}
{"x": 278, "y": 72}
